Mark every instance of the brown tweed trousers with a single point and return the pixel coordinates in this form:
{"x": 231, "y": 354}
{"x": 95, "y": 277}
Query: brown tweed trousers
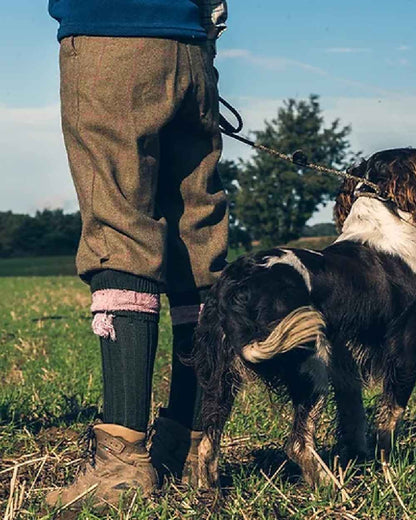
{"x": 140, "y": 124}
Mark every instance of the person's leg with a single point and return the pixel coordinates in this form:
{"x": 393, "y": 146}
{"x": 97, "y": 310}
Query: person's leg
{"x": 115, "y": 100}
{"x": 196, "y": 212}
{"x": 178, "y": 429}
{"x": 194, "y": 204}
{"x": 190, "y": 194}
{"x": 117, "y": 94}
{"x": 126, "y": 314}
{"x": 185, "y": 394}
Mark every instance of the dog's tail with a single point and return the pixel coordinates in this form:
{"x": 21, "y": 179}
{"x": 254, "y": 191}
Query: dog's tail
{"x": 301, "y": 326}
{"x": 220, "y": 350}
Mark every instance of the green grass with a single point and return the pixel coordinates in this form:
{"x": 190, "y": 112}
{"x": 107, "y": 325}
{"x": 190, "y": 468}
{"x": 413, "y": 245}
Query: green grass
{"x": 38, "y": 266}
{"x": 51, "y": 389}
{"x": 312, "y": 242}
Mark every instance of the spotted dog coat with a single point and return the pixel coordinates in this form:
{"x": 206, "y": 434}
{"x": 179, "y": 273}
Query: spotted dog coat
{"x": 303, "y": 318}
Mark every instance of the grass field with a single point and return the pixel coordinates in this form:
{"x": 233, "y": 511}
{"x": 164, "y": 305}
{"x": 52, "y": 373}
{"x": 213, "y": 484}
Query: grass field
{"x": 51, "y": 389}
{"x": 38, "y": 266}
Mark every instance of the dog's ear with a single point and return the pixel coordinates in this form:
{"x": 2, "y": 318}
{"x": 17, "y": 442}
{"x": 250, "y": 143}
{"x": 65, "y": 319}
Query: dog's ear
{"x": 344, "y": 202}
{"x": 400, "y": 183}
{"x": 346, "y": 196}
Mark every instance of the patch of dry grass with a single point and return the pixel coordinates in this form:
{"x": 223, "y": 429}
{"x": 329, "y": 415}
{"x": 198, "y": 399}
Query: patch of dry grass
{"x": 51, "y": 389}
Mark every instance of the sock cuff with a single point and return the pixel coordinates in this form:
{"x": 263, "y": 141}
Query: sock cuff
{"x": 192, "y": 297}
{"x": 185, "y": 307}
{"x": 112, "y": 279}
{"x": 111, "y": 300}
{"x": 185, "y": 314}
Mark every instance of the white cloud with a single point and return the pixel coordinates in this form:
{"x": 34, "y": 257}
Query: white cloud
{"x": 33, "y": 167}
{"x": 269, "y": 63}
{"x": 280, "y": 64}
{"x": 234, "y": 53}
{"x": 359, "y": 86}
{"x": 348, "y": 50}
{"x": 400, "y": 62}
{"x": 377, "y": 123}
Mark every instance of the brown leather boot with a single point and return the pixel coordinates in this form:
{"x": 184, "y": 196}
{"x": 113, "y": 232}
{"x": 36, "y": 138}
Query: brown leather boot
{"x": 174, "y": 450}
{"x": 118, "y": 461}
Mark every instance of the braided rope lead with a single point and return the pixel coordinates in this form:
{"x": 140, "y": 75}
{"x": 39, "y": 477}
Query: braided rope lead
{"x": 298, "y": 158}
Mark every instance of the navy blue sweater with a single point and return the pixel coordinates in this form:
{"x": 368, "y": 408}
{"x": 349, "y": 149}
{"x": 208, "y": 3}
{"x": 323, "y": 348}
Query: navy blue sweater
{"x": 159, "y": 18}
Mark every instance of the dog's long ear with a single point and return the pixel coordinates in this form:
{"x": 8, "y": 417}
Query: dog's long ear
{"x": 345, "y": 198}
{"x": 400, "y": 182}
{"x": 344, "y": 202}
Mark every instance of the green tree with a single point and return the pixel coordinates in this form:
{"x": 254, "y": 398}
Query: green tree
{"x": 49, "y": 232}
{"x": 229, "y": 172}
{"x": 276, "y": 198}
{"x": 10, "y": 224}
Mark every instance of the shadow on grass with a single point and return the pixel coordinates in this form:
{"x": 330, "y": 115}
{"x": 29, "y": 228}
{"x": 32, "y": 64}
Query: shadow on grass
{"x": 76, "y": 414}
{"x": 271, "y": 460}
{"x": 267, "y": 460}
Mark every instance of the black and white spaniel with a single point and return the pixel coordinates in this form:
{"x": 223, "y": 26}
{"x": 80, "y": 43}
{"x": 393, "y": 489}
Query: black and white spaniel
{"x": 302, "y": 318}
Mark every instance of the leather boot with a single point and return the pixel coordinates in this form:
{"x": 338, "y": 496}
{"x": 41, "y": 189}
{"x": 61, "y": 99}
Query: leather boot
{"x": 117, "y": 461}
{"x": 174, "y": 450}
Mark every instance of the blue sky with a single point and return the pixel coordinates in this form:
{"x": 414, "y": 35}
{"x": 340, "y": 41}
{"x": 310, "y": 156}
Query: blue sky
{"x": 359, "y": 56}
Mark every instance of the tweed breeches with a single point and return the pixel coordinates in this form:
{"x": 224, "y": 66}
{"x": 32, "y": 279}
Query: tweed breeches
{"x": 140, "y": 124}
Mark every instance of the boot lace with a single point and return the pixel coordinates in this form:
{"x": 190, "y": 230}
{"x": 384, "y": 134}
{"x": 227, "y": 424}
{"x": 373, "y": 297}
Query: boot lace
{"x": 88, "y": 444}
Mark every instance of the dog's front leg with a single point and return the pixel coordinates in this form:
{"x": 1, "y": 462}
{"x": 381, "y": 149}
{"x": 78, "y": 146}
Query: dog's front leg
{"x": 208, "y": 459}
{"x": 307, "y": 384}
{"x": 209, "y": 447}
{"x": 301, "y": 445}
{"x": 352, "y": 423}
{"x": 388, "y": 416}
{"x": 399, "y": 377}
{"x": 397, "y": 388}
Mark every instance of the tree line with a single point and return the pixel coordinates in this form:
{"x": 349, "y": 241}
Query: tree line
{"x": 270, "y": 200}
{"x": 48, "y": 232}
{"x": 51, "y": 232}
